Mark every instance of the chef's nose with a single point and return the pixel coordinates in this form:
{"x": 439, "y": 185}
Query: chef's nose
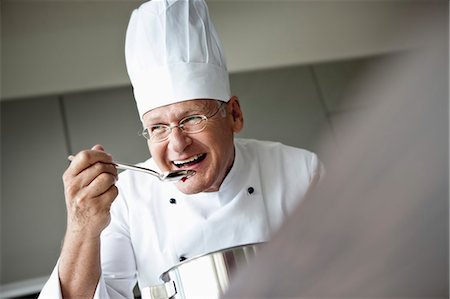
{"x": 179, "y": 140}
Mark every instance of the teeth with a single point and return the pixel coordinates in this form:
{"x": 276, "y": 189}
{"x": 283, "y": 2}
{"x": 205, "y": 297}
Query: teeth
{"x": 192, "y": 159}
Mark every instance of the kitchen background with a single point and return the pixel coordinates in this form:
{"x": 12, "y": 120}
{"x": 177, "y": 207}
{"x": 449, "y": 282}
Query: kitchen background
{"x": 64, "y": 88}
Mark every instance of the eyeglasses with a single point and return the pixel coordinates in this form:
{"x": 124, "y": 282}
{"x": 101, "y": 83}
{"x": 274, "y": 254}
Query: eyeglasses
{"x": 190, "y": 125}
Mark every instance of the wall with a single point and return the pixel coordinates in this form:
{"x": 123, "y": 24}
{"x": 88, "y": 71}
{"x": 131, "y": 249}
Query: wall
{"x": 54, "y": 47}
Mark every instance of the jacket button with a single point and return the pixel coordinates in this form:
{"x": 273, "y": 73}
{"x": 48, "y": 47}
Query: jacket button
{"x": 250, "y": 190}
{"x": 173, "y": 201}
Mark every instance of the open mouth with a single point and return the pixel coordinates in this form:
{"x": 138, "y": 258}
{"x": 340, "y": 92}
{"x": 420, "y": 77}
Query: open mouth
{"x": 189, "y": 162}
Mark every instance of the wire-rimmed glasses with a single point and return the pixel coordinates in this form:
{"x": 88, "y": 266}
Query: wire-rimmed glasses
{"x": 190, "y": 125}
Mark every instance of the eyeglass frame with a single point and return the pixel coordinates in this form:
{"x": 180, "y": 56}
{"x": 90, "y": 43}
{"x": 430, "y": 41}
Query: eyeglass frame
{"x": 146, "y": 134}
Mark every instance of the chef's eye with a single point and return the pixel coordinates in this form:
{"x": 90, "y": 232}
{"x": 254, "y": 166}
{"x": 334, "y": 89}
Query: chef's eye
{"x": 192, "y": 120}
{"x": 158, "y": 129}
{"x": 193, "y": 123}
{"x": 156, "y": 132}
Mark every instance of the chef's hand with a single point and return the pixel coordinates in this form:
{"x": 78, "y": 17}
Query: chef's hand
{"x": 89, "y": 191}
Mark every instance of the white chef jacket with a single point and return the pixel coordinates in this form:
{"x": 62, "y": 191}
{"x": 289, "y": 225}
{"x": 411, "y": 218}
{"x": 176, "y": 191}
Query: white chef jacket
{"x": 153, "y": 224}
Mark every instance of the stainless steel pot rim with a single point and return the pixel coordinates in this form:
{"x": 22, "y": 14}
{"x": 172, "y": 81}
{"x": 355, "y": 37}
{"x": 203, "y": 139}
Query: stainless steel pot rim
{"x": 209, "y": 254}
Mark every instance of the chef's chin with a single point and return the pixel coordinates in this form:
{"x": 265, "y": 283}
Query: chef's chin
{"x": 189, "y": 186}
{"x": 193, "y": 185}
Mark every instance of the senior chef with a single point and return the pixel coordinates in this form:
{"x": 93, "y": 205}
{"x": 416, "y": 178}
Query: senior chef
{"x": 128, "y": 230}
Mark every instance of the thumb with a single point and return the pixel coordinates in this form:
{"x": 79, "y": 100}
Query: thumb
{"x": 98, "y": 147}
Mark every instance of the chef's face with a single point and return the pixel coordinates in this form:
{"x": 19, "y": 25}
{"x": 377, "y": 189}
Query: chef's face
{"x": 209, "y": 152}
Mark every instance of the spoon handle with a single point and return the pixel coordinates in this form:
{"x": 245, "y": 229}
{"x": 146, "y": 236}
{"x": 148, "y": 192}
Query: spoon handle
{"x": 130, "y": 167}
{"x": 136, "y": 168}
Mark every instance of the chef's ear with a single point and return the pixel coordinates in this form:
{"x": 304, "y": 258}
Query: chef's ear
{"x": 237, "y": 118}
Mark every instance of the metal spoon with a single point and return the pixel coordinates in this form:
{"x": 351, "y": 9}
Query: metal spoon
{"x": 174, "y": 175}
{"x": 167, "y": 176}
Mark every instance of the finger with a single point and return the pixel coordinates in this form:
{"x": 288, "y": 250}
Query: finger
{"x": 108, "y": 197}
{"x": 85, "y": 159}
{"x": 88, "y": 175}
{"x": 101, "y": 184}
{"x": 98, "y": 147}
{"x": 74, "y": 185}
{"x": 101, "y": 202}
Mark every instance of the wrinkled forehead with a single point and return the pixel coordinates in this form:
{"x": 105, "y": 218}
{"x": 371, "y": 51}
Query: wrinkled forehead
{"x": 179, "y": 110}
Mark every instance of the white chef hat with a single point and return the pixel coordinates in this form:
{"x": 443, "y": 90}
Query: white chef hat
{"x": 173, "y": 54}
